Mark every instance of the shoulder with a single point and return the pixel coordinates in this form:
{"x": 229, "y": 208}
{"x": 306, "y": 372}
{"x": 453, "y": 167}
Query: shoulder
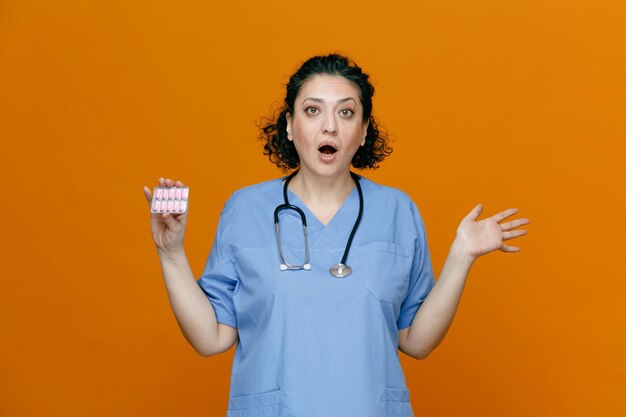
{"x": 396, "y": 215}
{"x": 387, "y": 196}
{"x": 249, "y": 209}
{"x": 254, "y": 196}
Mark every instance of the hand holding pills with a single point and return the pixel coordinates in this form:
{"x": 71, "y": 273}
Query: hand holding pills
{"x": 168, "y": 213}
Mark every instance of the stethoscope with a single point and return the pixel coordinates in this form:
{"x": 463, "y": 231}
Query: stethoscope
{"x": 341, "y": 269}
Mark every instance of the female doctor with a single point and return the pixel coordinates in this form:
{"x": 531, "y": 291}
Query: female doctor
{"x": 321, "y": 276}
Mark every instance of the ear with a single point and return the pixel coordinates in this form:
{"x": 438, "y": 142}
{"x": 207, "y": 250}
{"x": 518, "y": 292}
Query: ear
{"x": 288, "y": 116}
{"x": 365, "y": 127}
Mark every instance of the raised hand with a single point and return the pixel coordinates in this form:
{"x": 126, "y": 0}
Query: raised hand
{"x": 168, "y": 230}
{"x": 478, "y": 238}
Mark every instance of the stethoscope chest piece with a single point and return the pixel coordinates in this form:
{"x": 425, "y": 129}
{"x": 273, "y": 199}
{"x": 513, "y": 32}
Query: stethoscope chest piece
{"x": 340, "y": 270}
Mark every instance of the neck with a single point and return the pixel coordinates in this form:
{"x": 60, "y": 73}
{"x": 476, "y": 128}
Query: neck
{"x": 323, "y": 190}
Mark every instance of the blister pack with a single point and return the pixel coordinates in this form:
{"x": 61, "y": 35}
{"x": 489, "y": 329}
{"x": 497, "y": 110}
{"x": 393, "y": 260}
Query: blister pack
{"x": 170, "y": 200}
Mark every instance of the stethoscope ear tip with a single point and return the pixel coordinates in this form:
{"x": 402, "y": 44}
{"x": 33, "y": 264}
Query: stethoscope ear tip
{"x": 283, "y": 267}
{"x": 307, "y": 267}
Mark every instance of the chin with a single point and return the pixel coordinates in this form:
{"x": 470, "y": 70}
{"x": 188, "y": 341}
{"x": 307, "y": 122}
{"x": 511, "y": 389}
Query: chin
{"x": 328, "y": 170}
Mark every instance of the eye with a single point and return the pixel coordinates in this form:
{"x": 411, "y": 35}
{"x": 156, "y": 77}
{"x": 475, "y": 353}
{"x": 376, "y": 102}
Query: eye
{"x": 311, "y": 110}
{"x": 346, "y": 112}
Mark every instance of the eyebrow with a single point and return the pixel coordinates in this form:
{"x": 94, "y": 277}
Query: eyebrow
{"x": 319, "y": 100}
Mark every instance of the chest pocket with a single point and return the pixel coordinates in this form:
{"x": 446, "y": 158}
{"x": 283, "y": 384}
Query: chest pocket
{"x": 386, "y": 267}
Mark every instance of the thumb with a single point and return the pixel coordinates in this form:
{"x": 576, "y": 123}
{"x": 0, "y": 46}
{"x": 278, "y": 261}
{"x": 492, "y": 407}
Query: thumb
{"x": 475, "y": 212}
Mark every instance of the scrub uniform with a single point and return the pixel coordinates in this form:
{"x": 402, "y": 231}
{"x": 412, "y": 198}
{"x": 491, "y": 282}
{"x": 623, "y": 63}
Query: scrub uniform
{"x": 311, "y": 344}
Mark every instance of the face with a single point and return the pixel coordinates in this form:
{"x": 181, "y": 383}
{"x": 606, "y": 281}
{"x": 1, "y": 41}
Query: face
{"x": 327, "y": 126}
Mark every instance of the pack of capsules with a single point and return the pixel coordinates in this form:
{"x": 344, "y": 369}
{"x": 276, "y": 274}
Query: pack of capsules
{"x": 170, "y": 200}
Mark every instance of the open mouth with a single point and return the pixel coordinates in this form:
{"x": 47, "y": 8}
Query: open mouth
{"x": 327, "y": 150}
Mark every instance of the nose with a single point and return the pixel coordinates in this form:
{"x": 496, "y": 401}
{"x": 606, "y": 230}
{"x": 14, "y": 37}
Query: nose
{"x": 330, "y": 125}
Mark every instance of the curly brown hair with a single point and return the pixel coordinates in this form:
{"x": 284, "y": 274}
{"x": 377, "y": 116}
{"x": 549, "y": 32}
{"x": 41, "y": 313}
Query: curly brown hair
{"x": 281, "y": 150}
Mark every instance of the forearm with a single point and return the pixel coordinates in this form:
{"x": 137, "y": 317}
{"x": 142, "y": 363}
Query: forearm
{"x": 435, "y": 315}
{"x": 192, "y": 309}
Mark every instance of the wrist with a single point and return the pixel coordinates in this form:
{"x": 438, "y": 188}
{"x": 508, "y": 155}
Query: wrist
{"x": 460, "y": 254}
{"x": 171, "y": 254}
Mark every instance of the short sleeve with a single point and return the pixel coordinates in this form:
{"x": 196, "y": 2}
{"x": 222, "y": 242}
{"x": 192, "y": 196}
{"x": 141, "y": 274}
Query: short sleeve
{"x": 422, "y": 279}
{"x": 219, "y": 279}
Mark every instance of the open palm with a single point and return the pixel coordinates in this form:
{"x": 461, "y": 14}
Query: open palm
{"x": 484, "y": 236}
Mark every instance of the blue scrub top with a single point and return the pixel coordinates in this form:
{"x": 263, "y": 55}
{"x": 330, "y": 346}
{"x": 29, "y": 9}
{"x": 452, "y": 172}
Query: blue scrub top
{"x": 310, "y": 344}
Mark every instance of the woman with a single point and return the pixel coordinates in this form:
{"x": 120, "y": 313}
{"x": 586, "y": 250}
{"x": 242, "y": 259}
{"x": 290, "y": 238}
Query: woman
{"x": 320, "y": 312}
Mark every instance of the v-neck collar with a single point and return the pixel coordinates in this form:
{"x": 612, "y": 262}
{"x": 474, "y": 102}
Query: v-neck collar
{"x": 335, "y": 233}
{"x": 293, "y": 197}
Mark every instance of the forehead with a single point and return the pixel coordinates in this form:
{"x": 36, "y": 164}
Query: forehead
{"x": 329, "y": 88}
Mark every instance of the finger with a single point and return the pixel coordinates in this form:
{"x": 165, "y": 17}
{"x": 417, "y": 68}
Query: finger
{"x": 169, "y": 182}
{"x": 179, "y": 184}
{"x": 511, "y": 235}
{"x": 513, "y": 224}
{"x": 504, "y": 214}
{"x": 161, "y": 182}
{"x": 171, "y": 222}
{"x": 148, "y": 194}
{"x": 180, "y": 217}
{"x": 506, "y": 248}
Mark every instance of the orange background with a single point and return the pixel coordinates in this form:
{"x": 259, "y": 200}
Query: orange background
{"x": 512, "y": 104}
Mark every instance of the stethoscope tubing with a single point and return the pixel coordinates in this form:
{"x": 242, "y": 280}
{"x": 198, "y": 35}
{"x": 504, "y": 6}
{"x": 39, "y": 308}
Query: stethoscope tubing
{"x": 339, "y": 270}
